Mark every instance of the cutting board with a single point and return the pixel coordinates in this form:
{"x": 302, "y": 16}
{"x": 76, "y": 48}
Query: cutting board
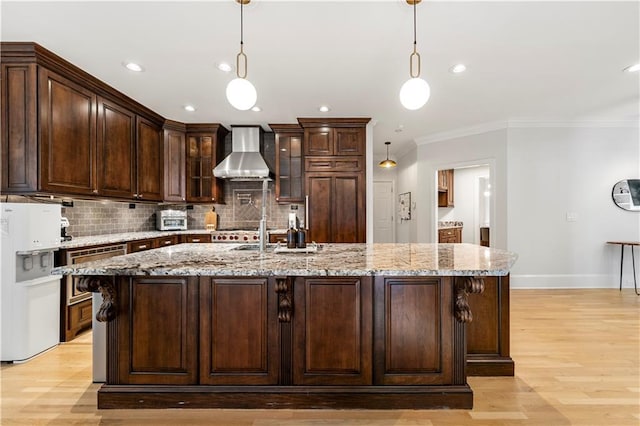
{"x": 211, "y": 220}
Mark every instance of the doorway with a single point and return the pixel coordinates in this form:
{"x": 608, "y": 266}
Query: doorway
{"x": 383, "y": 212}
{"x": 471, "y": 203}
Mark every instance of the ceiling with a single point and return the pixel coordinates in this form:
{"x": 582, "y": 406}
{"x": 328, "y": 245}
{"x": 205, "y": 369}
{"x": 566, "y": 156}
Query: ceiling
{"x": 538, "y": 60}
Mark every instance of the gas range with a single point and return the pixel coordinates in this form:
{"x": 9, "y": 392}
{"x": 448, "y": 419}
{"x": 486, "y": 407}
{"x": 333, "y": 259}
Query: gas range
{"x": 234, "y": 236}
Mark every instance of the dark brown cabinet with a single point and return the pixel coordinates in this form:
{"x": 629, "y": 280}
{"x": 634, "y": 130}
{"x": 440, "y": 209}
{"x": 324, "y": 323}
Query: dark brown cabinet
{"x": 196, "y": 238}
{"x": 336, "y": 207}
{"x": 149, "y": 161}
{"x": 445, "y": 188}
{"x": 238, "y": 332}
{"x": 165, "y": 241}
{"x": 116, "y": 150}
{"x": 332, "y": 331}
{"x": 289, "y": 163}
{"x": 174, "y": 162}
{"x": 140, "y": 245}
{"x": 205, "y": 148}
{"x": 67, "y": 126}
{"x": 450, "y": 235}
{"x": 335, "y": 172}
{"x": 158, "y": 325}
{"x": 409, "y": 341}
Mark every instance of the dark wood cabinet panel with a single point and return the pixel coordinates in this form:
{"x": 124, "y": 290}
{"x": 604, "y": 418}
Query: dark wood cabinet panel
{"x": 450, "y": 235}
{"x": 196, "y": 238}
{"x": 150, "y": 161}
{"x": 238, "y": 332}
{"x": 445, "y": 188}
{"x": 174, "y": 165}
{"x": 116, "y": 150}
{"x": 319, "y": 188}
{"x": 205, "y": 148}
{"x": 335, "y": 164}
{"x": 349, "y": 141}
{"x": 488, "y": 335}
{"x": 19, "y": 123}
{"x": 75, "y": 319}
{"x": 158, "y": 325}
{"x": 67, "y": 135}
{"x": 166, "y": 241}
{"x": 332, "y": 331}
{"x": 140, "y": 245}
{"x": 318, "y": 141}
{"x": 412, "y": 316}
{"x": 336, "y": 207}
{"x": 289, "y": 163}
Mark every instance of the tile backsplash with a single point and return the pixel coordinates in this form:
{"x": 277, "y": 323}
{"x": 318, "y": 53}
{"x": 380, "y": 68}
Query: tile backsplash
{"x": 242, "y": 209}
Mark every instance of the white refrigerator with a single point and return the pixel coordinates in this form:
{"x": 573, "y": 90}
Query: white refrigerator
{"x": 29, "y": 294}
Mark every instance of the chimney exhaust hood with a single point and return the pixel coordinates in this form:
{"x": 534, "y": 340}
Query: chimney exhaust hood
{"x": 245, "y": 161}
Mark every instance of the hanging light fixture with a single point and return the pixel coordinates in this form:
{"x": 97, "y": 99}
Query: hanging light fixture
{"x": 387, "y": 164}
{"x": 415, "y": 92}
{"x": 240, "y": 92}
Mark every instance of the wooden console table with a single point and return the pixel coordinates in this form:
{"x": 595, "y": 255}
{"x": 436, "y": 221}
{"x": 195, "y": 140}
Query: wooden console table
{"x": 633, "y": 260}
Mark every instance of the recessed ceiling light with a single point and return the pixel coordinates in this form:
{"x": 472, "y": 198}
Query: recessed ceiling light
{"x": 633, "y": 68}
{"x": 189, "y": 108}
{"x": 224, "y": 67}
{"x": 132, "y": 66}
{"x": 324, "y": 108}
{"x": 256, "y": 109}
{"x": 458, "y": 68}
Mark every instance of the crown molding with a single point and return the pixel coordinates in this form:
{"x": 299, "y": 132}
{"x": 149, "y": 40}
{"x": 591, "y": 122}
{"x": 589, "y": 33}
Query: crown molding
{"x": 522, "y": 124}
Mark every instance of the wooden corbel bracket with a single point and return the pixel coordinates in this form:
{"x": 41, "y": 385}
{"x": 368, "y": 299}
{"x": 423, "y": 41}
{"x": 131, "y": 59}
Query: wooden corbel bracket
{"x": 463, "y": 287}
{"x": 105, "y": 286}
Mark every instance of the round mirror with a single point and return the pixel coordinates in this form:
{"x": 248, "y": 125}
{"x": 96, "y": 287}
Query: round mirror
{"x": 626, "y": 194}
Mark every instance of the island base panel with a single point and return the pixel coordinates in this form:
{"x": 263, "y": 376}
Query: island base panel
{"x": 386, "y": 398}
{"x": 491, "y": 366}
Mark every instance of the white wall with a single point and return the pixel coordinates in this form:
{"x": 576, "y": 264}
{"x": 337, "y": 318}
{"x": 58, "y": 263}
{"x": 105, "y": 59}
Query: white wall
{"x": 487, "y": 148}
{"x": 406, "y": 175}
{"x": 553, "y": 172}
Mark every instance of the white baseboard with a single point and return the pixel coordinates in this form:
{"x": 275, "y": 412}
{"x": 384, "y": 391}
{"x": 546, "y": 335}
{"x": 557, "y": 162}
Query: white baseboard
{"x": 567, "y": 281}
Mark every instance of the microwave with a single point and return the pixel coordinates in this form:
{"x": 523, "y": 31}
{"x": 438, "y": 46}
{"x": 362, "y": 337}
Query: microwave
{"x": 171, "y": 220}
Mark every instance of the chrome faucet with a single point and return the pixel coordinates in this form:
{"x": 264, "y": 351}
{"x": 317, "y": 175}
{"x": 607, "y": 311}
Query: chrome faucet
{"x": 262, "y": 231}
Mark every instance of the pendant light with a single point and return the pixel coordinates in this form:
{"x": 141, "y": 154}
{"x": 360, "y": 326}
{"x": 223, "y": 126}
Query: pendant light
{"x": 387, "y": 164}
{"x": 240, "y": 92}
{"x": 415, "y": 92}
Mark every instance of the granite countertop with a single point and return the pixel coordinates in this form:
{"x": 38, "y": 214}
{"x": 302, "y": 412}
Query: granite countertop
{"x": 448, "y": 224}
{"x": 331, "y": 260}
{"x": 96, "y": 240}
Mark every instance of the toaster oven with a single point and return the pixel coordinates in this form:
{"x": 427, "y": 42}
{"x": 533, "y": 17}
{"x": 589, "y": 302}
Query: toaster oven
{"x": 171, "y": 220}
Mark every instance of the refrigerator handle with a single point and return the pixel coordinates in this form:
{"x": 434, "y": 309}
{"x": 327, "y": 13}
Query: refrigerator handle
{"x": 306, "y": 212}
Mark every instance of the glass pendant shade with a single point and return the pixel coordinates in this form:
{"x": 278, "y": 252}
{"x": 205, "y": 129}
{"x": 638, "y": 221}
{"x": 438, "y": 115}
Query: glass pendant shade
{"x": 414, "y": 93}
{"x": 241, "y": 94}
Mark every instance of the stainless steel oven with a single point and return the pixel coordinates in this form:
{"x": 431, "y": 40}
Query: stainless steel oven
{"x": 88, "y": 255}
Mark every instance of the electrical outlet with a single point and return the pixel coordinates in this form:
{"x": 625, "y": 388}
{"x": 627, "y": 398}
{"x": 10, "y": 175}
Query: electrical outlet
{"x": 67, "y": 203}
{"x": 132, "y": 205}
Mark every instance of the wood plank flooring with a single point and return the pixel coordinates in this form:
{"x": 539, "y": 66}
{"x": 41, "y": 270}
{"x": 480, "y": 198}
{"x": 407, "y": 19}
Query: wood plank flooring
{"x": 577, "y": 355}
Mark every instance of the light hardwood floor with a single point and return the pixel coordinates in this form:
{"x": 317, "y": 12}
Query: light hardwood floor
{"x": 577, "y": 355}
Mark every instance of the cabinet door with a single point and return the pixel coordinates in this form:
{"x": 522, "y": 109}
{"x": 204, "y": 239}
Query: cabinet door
{"x": 67, "y": 136}
{"x": 238, "y": 332}
{"x": 174, "y": 166}
{"x": 19, "y": 123}
{"x": 348, "y": 207}
{"x": 318, "y": 141}
{"x": 319, "y": 187}
{"x": 149, "y": 161}
{"x": 332, "y": 331}
{"x": 196, "y": 238}
{"x": 116, "y": 150}
{"x": 289, "y": 168}
{"x": 450, "y": 187}
{"x": 156, "y": 332}
{"x": 349, "y": 141}
{"x": 203, "y": 150}
{"x": 413, "y": 328}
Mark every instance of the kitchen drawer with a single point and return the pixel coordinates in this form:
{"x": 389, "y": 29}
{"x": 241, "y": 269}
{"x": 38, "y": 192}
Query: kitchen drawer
{"x": 278, "y": 238}
{"x": 334, "y": 164}
{"x": 165, "y": 241}
{"x": 197, "y": 238}
{"x": 139, "y": 245}
{"x": 450, "y": 235}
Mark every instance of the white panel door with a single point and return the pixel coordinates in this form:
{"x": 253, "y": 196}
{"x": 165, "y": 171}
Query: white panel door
{"x": 383, "y": 212}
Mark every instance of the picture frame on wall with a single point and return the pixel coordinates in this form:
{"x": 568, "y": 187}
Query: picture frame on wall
{"x": 404, "y": 206}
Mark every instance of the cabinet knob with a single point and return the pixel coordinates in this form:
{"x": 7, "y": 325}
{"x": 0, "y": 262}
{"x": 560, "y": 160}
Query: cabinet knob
{"x": 183, "y": 198}
{"x": 213, "y": 199}
{"x": 135, "y": 195}
{"x": 95, "y": 191}
{"x": 139, "y": 195}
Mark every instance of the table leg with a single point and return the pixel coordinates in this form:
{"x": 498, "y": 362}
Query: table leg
{"x": 621, "y": 263}
{"x": 633, "y": 262}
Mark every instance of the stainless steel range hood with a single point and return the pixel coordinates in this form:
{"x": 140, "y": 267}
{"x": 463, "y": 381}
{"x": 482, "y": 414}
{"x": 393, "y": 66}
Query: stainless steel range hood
{"x": 245, "y": 161}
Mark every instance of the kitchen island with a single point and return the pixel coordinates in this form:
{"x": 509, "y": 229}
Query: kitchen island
{"x": 351, "y": 326}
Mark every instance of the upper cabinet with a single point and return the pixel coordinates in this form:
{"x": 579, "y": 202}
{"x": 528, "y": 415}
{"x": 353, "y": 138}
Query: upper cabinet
{"x": 289, "y": 163}
{"x": 174, "y": 162}
{"x": 445, "y": 188}
{"x": 333, "y": 137}
{"x": 66, "y": 132}
{"x": 205, "y": 149}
